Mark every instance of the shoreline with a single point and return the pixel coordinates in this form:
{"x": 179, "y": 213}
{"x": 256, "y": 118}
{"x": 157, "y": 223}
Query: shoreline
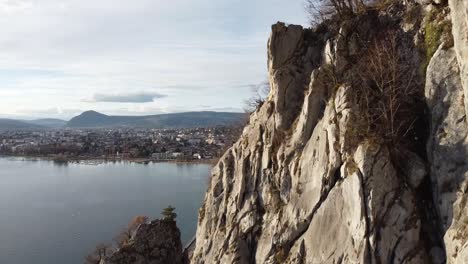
{"x": 98, "y": 160}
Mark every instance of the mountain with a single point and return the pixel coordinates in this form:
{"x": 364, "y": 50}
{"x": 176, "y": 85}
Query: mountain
{"x": 17, "y": 124}
{"x": 90, "y": 119}
{"x": 93, "y": 119}
{"x": 47, "y": 122}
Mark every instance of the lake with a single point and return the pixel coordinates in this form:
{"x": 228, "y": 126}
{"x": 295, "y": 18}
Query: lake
{"x": 56, "y": 213}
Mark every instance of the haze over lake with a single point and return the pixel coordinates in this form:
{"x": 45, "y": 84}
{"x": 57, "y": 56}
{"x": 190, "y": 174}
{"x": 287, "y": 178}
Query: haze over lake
{"x": 56, "y": 213}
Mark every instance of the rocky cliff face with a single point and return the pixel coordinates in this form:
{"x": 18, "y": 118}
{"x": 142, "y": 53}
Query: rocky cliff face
{"x": 446, "y": 93}
{"x": 306, "y": 184}
{"x": 459, "y": 14}
{"x": 157, "y": 242}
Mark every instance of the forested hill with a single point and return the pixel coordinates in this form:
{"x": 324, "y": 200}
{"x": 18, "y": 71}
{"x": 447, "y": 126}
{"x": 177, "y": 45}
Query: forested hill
{"x": 92, "y": 119}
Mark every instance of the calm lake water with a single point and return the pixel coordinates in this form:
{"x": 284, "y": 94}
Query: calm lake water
{"x": 56, "y": 213}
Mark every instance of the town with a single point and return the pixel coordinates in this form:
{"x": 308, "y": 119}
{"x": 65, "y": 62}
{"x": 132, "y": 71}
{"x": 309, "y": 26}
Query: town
{"x": 195, "y": 144}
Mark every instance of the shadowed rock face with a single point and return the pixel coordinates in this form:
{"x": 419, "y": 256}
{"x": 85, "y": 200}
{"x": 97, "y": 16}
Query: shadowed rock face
{"x": 300, "y": 187}
{"x": 448, "y": 152}
{"x": 155, "y": 243}
{"x": 446, "y": 94}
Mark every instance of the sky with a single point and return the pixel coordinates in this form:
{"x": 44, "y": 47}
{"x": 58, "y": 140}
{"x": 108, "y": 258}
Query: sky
{"x": 59, "y": 58}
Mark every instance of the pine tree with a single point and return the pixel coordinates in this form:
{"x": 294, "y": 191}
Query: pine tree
{"x": 169, "y": 214}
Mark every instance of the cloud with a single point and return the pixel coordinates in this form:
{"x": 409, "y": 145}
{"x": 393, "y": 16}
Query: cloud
{"x": 14, "y": 6}
{"x": 220, "y": 109}
{"x": 140, "y": 97}
{"x": 51, "y": 112}
{"x": 58, "y": 52}
{"x": 228, "y": 109}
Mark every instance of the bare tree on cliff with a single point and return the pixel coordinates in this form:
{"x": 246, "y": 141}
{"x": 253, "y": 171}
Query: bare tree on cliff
{"x": 259, "y": 95}
{"x": 387, "y": 88}
{"x": 320, "y": 10}
{"x": 124, "y": 237}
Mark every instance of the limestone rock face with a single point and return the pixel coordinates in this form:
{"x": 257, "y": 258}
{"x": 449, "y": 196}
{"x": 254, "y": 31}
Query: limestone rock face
{"x": 448, "y": 152}
{"x": 296, "y": 189}
{"x": 459, "y": 14}
{"x": 300, "y": 186}
{"x": 155, "y": 243}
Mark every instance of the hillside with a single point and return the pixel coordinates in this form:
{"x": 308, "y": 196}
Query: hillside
{"x": 92, "y": 119}
{"x": 47, "y": 122}
{"x": 17, "y": 124}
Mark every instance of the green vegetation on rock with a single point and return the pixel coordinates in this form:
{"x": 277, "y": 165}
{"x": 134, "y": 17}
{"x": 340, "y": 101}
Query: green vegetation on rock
{"x": 437, "y": 31}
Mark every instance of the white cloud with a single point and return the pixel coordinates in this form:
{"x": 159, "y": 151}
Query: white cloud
{"x": 139, "y": 97}
{"x": 62, "y": 51}
{"x": 11, "y": 7}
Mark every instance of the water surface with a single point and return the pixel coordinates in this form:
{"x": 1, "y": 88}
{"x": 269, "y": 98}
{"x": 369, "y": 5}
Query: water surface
{"x": 56, "y": 213}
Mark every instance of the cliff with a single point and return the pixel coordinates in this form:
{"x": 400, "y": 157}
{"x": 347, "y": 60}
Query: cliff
{"x": 157, "y": 242}
{"x": 359, "y": 154}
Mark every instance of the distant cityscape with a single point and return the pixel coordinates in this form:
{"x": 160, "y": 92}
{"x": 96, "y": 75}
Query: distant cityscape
{"x": 194, "y": 144}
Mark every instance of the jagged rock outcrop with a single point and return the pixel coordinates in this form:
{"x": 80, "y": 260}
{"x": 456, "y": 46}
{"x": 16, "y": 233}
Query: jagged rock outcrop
{"x": 157, "y": 242}
{"x": 304, "y": 185}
